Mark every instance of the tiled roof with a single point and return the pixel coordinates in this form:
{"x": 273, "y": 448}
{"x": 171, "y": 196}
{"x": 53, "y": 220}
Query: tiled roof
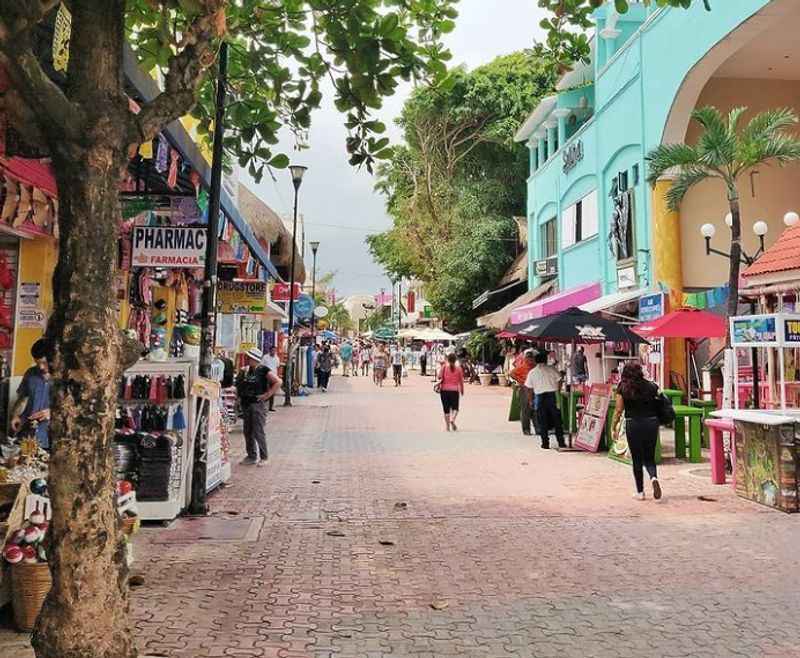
{"x": 782, "y": 256}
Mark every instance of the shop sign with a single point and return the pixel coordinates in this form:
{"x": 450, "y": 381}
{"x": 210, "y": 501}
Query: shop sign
{"x": 62, "y": 32}
{"x": 304, "y": 307}
{"x": 593, "y": 420}
{"x": 241, "y": 296}
{"x": 754, "y": 331}
{"x": 651, "y": 307}
{"x": 626, "y": 277}
{"x": 169, "y": 246}
{"x": 280, "y": 292}
{"x": 546, "y": 267}
{"x": 791, "y": 331}
{"x": 30, "y": 314}
{"x": 573, "y": 154}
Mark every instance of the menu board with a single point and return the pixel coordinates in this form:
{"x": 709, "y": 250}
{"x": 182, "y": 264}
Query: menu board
{"x": 593, "y": 420}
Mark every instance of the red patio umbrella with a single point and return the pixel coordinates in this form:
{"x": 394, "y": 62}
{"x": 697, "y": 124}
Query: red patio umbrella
{"x": 689, "y": 323}
{"x": 684, "y": 323}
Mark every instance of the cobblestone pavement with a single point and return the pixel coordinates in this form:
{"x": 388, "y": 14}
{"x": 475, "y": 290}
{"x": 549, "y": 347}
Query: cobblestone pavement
{"x": 374, "y": 533}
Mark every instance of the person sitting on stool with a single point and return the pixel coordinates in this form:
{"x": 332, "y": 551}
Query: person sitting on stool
{"x": 545, "y": 382}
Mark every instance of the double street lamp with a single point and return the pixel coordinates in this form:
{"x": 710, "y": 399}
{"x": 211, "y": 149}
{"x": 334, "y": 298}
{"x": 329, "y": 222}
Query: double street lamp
{"x": 297, "y": 178}
{"x": 760, "y": 228}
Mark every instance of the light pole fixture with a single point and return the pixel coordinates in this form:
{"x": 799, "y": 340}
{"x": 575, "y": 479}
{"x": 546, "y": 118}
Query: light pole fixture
{"x": 760, "y": 228}
{"x": 314, "y": 246}
{"x": 297, "y": 172}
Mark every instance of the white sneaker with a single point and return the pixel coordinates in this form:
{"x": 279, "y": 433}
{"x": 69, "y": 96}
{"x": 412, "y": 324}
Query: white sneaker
{"x": 261, "y": 463}
{"x": 638, "y": 496}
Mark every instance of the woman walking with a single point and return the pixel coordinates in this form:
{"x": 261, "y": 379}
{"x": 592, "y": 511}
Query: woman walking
{"x": 379, "y": 363}
{"x": 638, "y": 399}
{"x": 451, "y": 388}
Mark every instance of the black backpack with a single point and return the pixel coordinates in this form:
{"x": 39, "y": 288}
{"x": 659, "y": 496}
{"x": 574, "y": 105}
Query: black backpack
{"x": 664, "y": 409}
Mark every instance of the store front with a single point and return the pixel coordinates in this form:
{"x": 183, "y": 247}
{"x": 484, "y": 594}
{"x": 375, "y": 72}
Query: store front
{"x": 592, "y": 217}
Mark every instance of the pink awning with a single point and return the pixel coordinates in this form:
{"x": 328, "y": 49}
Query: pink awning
{"x": 556, "y": 303}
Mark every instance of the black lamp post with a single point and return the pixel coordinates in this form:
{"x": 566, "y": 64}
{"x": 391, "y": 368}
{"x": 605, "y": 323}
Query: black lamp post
{"x": 297, "y": 179}
{"x": 314, "y": 246}
{"x": 760, "y": 228}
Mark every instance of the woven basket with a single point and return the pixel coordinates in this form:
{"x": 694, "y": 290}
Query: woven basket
{"x": 30, "y": 584}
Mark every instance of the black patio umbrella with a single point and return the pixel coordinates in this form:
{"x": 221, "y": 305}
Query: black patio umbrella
{"x": 575, "y": 326}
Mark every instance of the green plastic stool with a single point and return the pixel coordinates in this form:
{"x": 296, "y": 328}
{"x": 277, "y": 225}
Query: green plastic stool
{"x": 674, "y": 394}
{"x": 694, "y": 417}
{"x": 514, "y": 411}
{"x": 707, "y": 406}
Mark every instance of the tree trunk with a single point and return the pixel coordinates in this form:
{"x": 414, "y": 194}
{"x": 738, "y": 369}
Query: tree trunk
{"x": 86, "y": 612}
{"x": 736, "y": 256}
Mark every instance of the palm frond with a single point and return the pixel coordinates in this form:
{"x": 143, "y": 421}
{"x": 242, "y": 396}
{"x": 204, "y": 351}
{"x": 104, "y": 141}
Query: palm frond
{"x": 688, "y": 178}
{"x": 717, "y": 145}
{"x": 779, "y": 148}
{"x": 734, "y": 116}
{"x": 670, "y": 156}
{"x": 765, "y": 124}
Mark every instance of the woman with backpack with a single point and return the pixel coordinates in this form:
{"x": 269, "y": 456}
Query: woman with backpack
{"x": 640, "y": 400}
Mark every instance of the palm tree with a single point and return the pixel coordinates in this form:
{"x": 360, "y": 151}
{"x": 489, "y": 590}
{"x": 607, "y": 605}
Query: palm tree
{"x": 726, "y": 152}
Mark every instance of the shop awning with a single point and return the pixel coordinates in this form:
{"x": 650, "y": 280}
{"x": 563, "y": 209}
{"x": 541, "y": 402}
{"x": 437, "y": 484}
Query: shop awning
{"x": 609, "y": 302}
{"x": 557, "y": 303}
{"x": 176, "y": 133}
{"x": 38, "y": 173}
{"x": 492, "y": 294}
{"x": 500, "y": 319}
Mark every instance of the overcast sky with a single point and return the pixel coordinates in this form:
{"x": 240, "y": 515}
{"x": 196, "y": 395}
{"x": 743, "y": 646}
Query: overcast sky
{"x": 338, "y": 202}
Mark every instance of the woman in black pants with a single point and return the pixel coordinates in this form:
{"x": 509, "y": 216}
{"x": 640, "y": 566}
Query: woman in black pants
{"x": 637, "y": 397}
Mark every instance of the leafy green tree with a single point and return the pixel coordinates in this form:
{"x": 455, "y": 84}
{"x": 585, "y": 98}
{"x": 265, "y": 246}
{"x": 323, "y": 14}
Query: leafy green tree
{"x": 727, "y": 152}
{"x": 454, "y": 186}
{"x": 280, "y": 52}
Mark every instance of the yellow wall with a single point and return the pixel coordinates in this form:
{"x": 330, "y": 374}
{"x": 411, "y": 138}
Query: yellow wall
{"x": 37, "y": 260}
{"x": 776, "y": 188}
{"x": 668, "y": 266}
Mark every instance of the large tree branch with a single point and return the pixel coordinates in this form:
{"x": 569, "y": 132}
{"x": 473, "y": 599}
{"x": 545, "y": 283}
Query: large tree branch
{"x": 17, "y": 18}
{"x": 184, "y": 74}
{"x": 53, "y": 108}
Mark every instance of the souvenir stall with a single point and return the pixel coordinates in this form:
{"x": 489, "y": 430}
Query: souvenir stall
{"x": 767, "y": 440}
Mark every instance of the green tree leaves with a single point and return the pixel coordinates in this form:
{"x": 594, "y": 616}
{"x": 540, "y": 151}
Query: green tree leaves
{"x": 282, "y": 50}
{"x": 454, "y": 186}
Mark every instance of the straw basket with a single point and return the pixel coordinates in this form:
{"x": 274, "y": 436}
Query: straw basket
{"x": 30, "y": 584}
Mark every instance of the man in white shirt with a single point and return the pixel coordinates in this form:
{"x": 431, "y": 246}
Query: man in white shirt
{"x": 270, "y": 360}
{"x": 397, "y": 365}
{"x": 545, "y": 382}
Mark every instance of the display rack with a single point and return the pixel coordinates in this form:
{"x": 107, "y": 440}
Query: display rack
{"x": 180, "y": 473}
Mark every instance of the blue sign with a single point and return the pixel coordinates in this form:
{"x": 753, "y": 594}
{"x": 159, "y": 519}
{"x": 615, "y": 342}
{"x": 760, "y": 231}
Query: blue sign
{"x": 304, "y": 307}
{"x": 651, "y": 307}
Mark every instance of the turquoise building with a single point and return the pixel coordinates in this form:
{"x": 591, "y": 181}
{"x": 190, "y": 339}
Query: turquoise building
{"x": 595, "y": 226}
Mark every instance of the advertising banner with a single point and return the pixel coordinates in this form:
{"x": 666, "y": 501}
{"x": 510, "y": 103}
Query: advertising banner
{"x": 755, "y": 330}
{"x": 280, "y": 292}
{"x": 242, "y": 297}
{"x": 593, "y": 420}
{"x": 168, "y": 246}
{"x": 651, "y": 307}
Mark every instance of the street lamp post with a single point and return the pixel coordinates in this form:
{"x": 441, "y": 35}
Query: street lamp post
{"x": 760, "y": 228}
{"x": 297, "y": 178}
{"x": 314, "y": 246}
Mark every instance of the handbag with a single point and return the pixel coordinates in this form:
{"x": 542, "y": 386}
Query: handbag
{"x": 664, "y": 410}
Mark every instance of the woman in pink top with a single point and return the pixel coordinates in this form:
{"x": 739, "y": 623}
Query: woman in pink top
{"x": 451, "y": 387}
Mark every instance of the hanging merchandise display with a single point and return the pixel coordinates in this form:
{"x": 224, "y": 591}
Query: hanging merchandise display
{"x": 151, "y": 443}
